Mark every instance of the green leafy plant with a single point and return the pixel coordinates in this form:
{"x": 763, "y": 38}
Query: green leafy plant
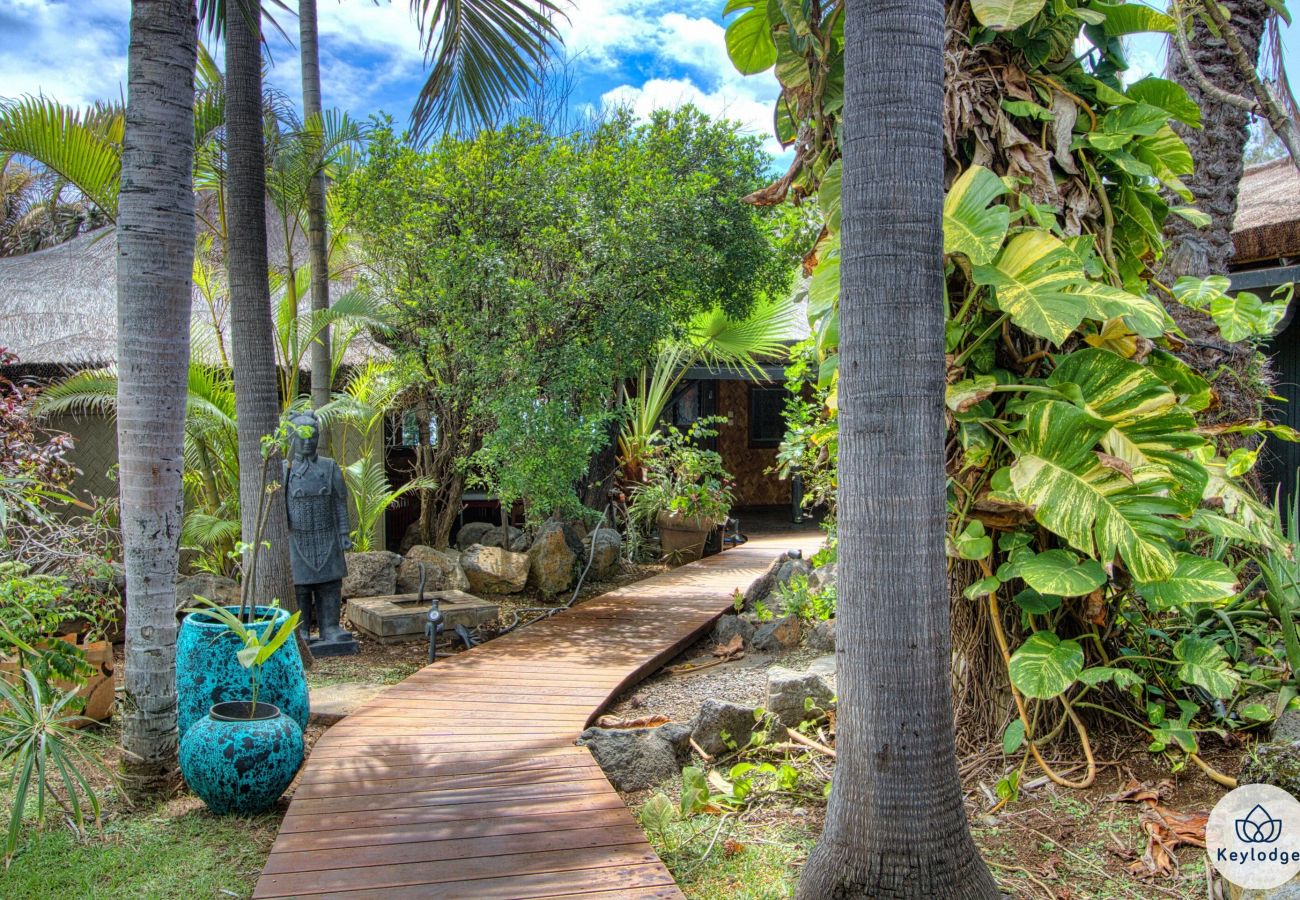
{"x": 46, "y": 756}
{"x": 682, "y": 479}
{"x": 259, "y": 644}
{"x": 34, "y": 609}
{"x": 372, "y": 495}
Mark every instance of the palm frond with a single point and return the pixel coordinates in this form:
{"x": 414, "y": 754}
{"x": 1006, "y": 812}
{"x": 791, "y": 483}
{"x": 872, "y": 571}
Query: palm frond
{"x": 89, "y": 392}
{"x": 83, "y": 147}
{"x": 743, "y": 343}
{"x": 484, "y": 54}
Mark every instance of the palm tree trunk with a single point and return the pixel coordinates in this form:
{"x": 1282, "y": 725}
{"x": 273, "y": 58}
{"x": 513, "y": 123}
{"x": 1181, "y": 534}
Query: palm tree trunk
{"x": 895, "y": 825}
{"x": 257, "y": 403}
{"x": 308, "y": 36}
{"x": 155, "y": 258}
{"x": 1219, "y": 147}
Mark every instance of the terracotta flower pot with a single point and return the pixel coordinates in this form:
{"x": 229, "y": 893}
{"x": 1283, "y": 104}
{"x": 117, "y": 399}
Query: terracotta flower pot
{"x": 681, "y": 538}
{"x": 99, "y": 690}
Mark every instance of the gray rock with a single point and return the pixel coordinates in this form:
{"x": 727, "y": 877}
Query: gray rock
{"x": 1276, "y": 763}
{"x": 1287, "y": 726}
{"x": 787, "y": 690}
{"x": 442, "y": 571}
{"x": 825, "y": 667}
{"x": 823, "y": 576}
{"x": 472, "y": 534}
{"x": 782, "y": 569}
{"x": 492, "y": 570}
{"x": 719, "y": 722}
{"x": 575, "y": 535}
{"x": 731, "y": 625}
{"x": 822, "y": 635}
{"x": 510, "y": 538}
{"x": 637, "y": 758}
{"x": 1288, "y": 891}
{"x": 778, "y": 634}
{"x": 372, "y": 574}
{"x": 550, "y": 561}
{"x": 216, "y": 588}
{"x": 604, "y": 559}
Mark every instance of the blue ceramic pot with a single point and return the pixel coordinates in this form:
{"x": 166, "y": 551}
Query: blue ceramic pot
{"x": 239, "y": 764}
{"x": 208, "y": 673}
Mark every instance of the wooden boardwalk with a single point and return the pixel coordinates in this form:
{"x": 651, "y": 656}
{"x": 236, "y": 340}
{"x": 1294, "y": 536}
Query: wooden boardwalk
{"x": 464, "y": 780}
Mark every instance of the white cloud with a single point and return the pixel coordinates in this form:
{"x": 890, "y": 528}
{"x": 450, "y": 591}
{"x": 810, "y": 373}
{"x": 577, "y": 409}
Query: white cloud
{"x": 73, "y": 50}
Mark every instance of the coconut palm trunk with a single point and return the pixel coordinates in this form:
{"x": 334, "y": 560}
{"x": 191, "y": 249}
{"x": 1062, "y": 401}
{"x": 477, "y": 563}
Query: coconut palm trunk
{"x": 257, "y": 401}
{"x": 895, "y": 825}
{"x": 309, "y": 38}
{"x": 155, "y": 258}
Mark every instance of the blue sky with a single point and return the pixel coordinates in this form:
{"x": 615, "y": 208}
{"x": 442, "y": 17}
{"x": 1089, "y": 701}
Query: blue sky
{"x": 646, "y": 53}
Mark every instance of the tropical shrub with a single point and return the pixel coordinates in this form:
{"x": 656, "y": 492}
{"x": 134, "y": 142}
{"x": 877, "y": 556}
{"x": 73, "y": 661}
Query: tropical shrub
{"x": 681, "y": 478}
{"x": 1090, "y": 485}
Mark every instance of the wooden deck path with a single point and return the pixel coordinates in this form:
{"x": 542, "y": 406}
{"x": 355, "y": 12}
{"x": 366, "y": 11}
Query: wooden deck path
{"x": 464, "y": 780}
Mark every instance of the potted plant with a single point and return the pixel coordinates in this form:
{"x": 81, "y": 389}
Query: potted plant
{"x": 686, "y": 492}
{"x": 40, "y": 612}
{"x": 242, "y": 755}
{"x": 208, "y": 672}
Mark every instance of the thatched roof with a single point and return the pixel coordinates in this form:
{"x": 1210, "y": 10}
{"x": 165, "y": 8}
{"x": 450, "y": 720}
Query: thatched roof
{"x": 58, "y": 307}
{"x": 1267, "y": 225}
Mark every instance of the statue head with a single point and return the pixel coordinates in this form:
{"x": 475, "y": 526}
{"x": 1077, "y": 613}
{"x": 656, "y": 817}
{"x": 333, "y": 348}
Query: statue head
{"x": 302, "y": 443}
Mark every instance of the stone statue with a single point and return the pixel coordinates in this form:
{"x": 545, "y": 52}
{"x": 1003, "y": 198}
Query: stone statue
{"x": 317, "y": 502}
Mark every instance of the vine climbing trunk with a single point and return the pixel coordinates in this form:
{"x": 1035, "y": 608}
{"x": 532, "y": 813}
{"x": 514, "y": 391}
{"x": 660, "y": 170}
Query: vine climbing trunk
{"x": 257, "y": 401}
{"x": 895, "y": 825}
{"x": 155, "y": 259}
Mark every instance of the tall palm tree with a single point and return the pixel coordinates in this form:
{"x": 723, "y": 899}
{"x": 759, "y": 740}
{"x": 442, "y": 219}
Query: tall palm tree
{"x": 155, "y": 252}
{"x": 895, "y": 825}
{"x": 257, "y": 400}
{"x": 309, "y": 39}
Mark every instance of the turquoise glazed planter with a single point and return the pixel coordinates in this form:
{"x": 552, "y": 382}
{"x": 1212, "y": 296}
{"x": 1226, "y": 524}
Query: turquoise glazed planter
{"x": 208, "y": 673}
{"x": 241, "y": 765}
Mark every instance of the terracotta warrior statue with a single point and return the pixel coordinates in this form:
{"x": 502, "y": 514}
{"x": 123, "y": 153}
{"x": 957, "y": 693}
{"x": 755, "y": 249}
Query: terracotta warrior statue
{"x": 317, "y": 501}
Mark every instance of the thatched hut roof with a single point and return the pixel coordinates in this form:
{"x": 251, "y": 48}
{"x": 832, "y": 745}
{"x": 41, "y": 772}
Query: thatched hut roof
{"x": 1267, "y": 225}
{"x": 58, "y": 307}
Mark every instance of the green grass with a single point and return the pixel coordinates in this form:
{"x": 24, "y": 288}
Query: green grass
{"x": 742, "y": 863}
{"x": 145, "y": 854}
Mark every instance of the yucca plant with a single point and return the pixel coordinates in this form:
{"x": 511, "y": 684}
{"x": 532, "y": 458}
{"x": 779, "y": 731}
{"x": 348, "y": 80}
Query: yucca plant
{"x": 711, "y": 338}
{"x": 45, "y": 754}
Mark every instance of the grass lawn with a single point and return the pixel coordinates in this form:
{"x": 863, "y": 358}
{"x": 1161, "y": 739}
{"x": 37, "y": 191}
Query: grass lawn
{"x": 175, "y": 850}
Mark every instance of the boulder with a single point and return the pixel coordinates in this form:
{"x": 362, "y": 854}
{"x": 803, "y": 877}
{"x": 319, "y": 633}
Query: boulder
{"x": 216, "y": 588}
{"x": 721, "y": 727}
{"x": 1287, "y": 725}
{"x": 778, "y": 634}
{"x": 1288, "y": 891}
{"x": 472, "y": 534}
{"x": 787, "y": 691}
{"x": 412, "y": 538}
{"x": 575, "y": 535}
{"x": 550, "y": 561}
{"x": 442, "y": 571}
{"x": 372, "y": 574}
{"x": 605, "y": 556}
{"x": 492, "y": 570}
{"x": 1276, "y": 763}
{"x": 823, "y": 577}
{"x": 782, "y": 569}
{"x": 637, "y": 758}
{"x": 731, "y": 625}
{"x": 509, "y": 538}
{"x": 822, "y": 635}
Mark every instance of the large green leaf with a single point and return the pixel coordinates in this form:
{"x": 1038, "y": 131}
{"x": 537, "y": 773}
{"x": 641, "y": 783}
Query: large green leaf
{"x": 1040, "y": 281}
{"x": 1205, "y": 664}
{"x": 1006, "y": 15}
{"x": 749, "y": 42}
{"x": 1060, "y": 572}
{"x": 970, "y": 226}
{"x": 1195, "y": 579}
{"x": 1045, "y": 666}
{"x": 1132, "y": 18}
{"x": 1096, "y": 508}
{"x": 1244, "y": 315}
{"x": 1168, "y": 95}
{"x": 828, "y": 196}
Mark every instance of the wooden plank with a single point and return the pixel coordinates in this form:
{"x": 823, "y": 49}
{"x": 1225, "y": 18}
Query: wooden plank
{"x": 463, "y": 780}
{"x": 463, "y": 848}
{"x": 432, "y": 873}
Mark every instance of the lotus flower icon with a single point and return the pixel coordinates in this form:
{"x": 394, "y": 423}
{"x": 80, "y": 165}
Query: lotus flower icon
{"x": 1258, "y": 827}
